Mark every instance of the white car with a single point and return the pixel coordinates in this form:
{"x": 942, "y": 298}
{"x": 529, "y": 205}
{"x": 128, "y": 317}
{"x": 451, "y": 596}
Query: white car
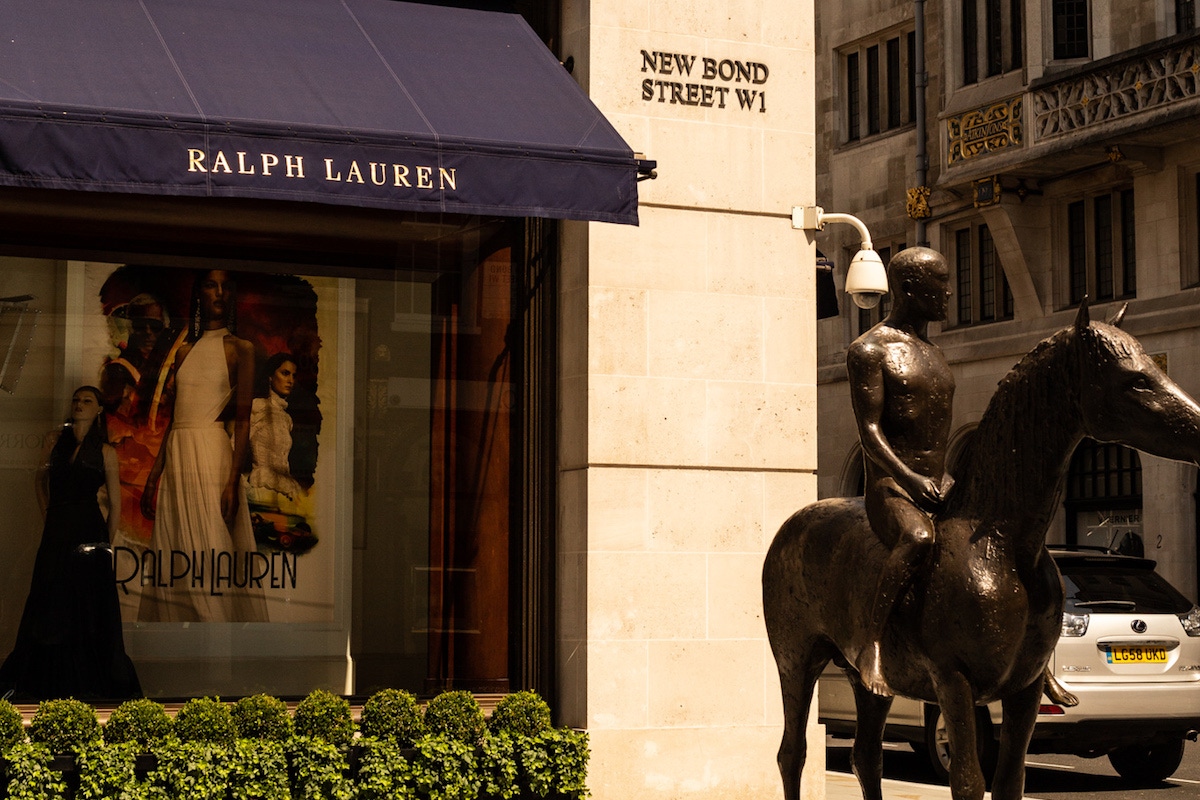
{"x": 1129, "y": 651}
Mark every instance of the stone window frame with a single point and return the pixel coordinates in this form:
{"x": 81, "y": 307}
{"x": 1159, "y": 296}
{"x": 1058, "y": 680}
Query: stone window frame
{"x": 1069, "y": 30}
{"x": 980, "y": 291}
{"x": 991, "y": 39}
{"x": 1189, "y": 224}
{"x": 1098, "y": 247}
{"x": 876, "y": 84}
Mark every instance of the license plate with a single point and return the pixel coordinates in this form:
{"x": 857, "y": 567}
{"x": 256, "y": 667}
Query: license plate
{"x": 1136, "y": 655}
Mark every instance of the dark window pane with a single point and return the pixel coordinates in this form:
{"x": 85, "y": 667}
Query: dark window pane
{"x": 1095, "y": 584}
{"x": 1070, "y": 29}
{"x": 852, "y": 98}
{"x": 1007, "y": 305}
{"x": 987, "y": 275}
{"x": 995, "y": 37}
{"x": 912, "y": 76}
{"x": 1016, "y": 23}
{"x": 970, "y": 42}
{"x": 893, "y": 83}
{"x": 962, "y": 254}
{"x": 873, "y": 89}
{"x": 1103, "y": 231}
{"x": 1076, "y": 252}
{"x": 1185, "y": 15}
{"x": 1128, "y": 245}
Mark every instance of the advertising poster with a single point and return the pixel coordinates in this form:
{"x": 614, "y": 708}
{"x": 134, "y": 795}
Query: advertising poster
{"x": 220, "y": 392}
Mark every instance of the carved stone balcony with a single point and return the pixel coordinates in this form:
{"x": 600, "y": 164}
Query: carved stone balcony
{"x": 1117, "y": 89}
{"x": 1124, "y": 107}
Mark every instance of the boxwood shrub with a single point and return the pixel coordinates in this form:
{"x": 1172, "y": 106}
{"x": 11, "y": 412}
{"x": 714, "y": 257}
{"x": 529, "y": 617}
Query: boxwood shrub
{"x": 324, "y": 715}
{"x": 393, "y": 715}
{"x": 522, "y": 713}
{"x": 64, "y": 726}
{"x": 262, "y": 717}
{"x": 142, "y": 722}
{"x": 12, "y": 726}
{"x": 455, "y": 715}
{"x": 205, "y": 719}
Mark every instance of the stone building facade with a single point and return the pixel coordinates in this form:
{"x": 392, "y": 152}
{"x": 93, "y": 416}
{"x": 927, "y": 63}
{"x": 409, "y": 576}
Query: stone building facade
{"x": 1061, "y": 162}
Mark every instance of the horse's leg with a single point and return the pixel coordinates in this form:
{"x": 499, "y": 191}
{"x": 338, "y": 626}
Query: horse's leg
{"x": 958, "y": 708}
{"x": 867, "y": 755}
{"x": 798, "y": 676}
{"x": 1020, "y": 714}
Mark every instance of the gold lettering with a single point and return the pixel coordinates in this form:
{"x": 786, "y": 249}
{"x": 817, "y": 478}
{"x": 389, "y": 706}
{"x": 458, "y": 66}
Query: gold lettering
{"x": 220, "y": 164}
{"x": 270, "y": 161}
{"x": 448, "y": 176}
{"x": 401, "y": 173}
{"x": 354, "y": 173}
{"x": 423, "y": 177}
{"x": 382, "y": 174}
{"x": 295, "y": 166}
{"x": 329, "y": 176}
{"x": 242, "y": 164}
{"x": 196, "y": 160}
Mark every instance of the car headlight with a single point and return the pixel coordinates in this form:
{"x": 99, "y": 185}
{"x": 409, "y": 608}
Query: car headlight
{"x": 1191, "y": 621}
{"x": 1077, "y": 624}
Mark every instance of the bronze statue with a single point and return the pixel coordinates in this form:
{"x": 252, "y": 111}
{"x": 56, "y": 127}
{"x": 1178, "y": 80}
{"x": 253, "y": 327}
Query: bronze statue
{"x": 981, "y": 614}
{"x": 902, "y": 390}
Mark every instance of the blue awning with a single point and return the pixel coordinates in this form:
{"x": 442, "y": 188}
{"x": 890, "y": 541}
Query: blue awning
{"x": 357, "y": 102}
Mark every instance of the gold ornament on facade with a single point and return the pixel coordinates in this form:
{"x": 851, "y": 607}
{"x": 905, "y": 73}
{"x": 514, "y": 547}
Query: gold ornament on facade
{"x": 985, "y": 130}
{"x": 917, "y": 204}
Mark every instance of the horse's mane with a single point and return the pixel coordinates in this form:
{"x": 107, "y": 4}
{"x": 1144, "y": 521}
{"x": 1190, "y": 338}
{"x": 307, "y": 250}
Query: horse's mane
{"x": 1031, "y": 409}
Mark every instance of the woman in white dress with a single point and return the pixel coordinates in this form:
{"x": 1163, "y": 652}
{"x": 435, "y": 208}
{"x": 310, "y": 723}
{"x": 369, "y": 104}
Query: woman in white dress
{"x": 205, "y": 556}
{"x": 271, "y": 428}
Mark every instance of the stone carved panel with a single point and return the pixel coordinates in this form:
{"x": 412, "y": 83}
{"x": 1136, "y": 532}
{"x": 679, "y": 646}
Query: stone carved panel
{"x": 1152, "y": 80}
{"x": 984, "y": 130}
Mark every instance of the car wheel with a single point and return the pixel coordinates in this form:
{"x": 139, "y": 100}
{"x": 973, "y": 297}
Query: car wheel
{"x": 937, "y": 743}
{"x": 1147, "y": 764}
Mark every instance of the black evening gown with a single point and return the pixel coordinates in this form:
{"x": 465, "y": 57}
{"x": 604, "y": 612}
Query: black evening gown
{"x": 69, "y": 643}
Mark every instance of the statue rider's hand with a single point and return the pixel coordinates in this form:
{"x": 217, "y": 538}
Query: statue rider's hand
{"x": 928, "y": 494}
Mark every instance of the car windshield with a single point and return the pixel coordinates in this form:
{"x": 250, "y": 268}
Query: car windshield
{"x": 1098, "y": 588}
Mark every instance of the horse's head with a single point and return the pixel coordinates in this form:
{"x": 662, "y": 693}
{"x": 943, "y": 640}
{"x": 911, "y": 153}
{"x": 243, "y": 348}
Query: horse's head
{"x": 1125, "y": 396}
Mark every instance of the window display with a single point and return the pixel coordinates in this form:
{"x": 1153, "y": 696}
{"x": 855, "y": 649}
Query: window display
{"x": 315, "y": 467}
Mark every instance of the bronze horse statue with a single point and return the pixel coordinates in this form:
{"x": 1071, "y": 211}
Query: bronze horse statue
{"x": 983, "y": 616}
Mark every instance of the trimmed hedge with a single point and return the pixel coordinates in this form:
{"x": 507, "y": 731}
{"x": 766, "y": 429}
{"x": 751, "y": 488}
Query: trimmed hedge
{"x": 199, "y": 757}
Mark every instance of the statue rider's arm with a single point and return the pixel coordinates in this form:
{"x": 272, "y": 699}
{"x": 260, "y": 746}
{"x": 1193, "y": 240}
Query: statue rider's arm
{"x": 865, "y": 362}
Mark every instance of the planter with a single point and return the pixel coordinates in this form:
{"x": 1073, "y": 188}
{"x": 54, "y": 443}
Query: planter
{"x": 65, "y": 763}
{"x": 144, "y": 764}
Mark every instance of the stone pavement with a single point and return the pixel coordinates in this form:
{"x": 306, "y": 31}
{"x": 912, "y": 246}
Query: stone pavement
{"x": 841, "y": 786}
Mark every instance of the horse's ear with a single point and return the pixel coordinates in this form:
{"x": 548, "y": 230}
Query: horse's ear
{"x": 1116, "y": 319}
{"x": 1083, "y": 318}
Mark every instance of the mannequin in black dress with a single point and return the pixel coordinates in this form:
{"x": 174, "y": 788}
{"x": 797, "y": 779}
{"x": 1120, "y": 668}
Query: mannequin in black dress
{"x": 69, "y": 643}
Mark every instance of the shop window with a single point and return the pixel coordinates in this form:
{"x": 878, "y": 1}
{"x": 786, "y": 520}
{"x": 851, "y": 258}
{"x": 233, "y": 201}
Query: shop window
{"x": 878, "y": 85}
{"x": 397, "y": 431}
{"x": 1104, "y": 497}
{"x": 1070, "y": 28}
{"x": 982, "y": 292}
{"x": 995, "y": 47}
{"x": 1101, "y": 247}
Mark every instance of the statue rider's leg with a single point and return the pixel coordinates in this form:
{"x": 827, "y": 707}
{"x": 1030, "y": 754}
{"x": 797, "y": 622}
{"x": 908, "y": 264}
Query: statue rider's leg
{"x": 913, "y": 533}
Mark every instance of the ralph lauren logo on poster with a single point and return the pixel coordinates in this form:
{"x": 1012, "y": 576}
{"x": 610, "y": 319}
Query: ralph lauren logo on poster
{"x": 705, "y": 82}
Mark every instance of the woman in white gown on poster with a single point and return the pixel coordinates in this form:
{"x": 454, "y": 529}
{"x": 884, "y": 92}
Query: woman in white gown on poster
{"x": 194, "y": 492}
